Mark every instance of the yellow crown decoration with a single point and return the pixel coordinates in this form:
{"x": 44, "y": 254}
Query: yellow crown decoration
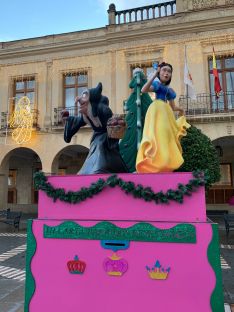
{"x": 157, "y": 272}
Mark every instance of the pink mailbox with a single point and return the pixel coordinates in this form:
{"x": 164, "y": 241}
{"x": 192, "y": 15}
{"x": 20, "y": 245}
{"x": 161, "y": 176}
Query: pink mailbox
{"x": 116, "y": 252}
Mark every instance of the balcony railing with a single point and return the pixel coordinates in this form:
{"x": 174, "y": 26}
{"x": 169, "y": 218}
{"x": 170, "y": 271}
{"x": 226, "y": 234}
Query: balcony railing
{"x": 141, "y": 13}
{"x": 208, "y": 106}
{"x": 5, "y": 117}
{"x": 73, "y": 111}
{"x": 205, "y": 107}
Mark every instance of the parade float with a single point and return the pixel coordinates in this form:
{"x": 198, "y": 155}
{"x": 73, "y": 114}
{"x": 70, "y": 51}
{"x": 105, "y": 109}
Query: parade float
{"x": 113, "y": 239}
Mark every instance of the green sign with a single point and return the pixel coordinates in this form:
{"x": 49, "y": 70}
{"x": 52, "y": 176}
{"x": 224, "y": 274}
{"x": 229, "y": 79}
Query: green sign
{"x": 141, "y": 232}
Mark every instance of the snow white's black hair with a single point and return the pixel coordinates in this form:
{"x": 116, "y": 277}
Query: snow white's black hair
{"x": 163, "y": 64}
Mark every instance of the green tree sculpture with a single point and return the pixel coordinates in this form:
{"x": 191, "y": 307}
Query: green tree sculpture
{"x": 200, "y": 154}
{"x": 136, "y": 108}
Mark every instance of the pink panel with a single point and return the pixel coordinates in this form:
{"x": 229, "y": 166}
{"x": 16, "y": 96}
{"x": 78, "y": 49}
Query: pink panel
{"x": 188, "y": 287}
{"x": 113, "y": 204}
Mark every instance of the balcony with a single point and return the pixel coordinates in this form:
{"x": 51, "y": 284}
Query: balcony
{"x": 5, "y": 117}
{"x": 207, "y": 107}
{"x": 58, "y": 123}
{"x": 141, "y": 13}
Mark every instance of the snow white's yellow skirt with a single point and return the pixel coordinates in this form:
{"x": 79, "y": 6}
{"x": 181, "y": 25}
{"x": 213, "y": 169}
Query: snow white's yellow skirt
{"x": 160, "y": 149}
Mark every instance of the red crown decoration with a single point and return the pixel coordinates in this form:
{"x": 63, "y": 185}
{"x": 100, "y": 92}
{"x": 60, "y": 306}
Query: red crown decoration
{"x": 157, "y": 272}
{"x": 76, "y": 266}
{"x": 115, "y": 265}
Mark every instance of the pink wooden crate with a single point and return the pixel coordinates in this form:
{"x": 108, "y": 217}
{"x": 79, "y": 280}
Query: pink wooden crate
{"x": 114, "y": 204}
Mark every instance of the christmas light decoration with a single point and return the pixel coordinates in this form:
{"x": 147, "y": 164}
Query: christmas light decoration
{"x": 21, "y": 121}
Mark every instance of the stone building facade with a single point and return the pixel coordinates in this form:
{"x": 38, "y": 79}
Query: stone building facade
{"x": 52, "y": 70}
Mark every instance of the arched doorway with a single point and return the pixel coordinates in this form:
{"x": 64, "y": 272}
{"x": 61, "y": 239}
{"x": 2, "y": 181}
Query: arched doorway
{"x": 19, "y": 166}
{"x": 69, "y": 160}
{"x": 222, "y": 191}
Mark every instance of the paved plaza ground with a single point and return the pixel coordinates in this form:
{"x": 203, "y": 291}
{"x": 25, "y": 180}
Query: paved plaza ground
{"x": 12, "y": 267}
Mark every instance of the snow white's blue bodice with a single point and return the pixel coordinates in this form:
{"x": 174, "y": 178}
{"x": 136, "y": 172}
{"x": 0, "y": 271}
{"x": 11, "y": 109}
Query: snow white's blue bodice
{"x": 163, "y": 92}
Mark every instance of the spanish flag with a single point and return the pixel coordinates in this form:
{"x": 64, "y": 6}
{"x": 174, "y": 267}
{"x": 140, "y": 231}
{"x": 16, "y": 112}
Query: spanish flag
{"x": 217, "y": 86}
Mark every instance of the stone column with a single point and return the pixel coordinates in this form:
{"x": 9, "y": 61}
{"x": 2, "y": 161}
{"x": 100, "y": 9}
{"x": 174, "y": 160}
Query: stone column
{"x": 3, "y": 191}
{"x": 182, "y": 5}
{"x": 47, "y": 118}
{"x": 111, "y": 13}
{"x": 47, "y": 160}
{"x": 113, "y": 81}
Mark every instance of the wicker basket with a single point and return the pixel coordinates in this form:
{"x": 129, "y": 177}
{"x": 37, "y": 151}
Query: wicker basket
{"x": 118, "y": 131}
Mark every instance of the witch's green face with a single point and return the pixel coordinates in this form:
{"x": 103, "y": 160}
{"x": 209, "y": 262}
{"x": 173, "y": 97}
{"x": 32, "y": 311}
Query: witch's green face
{"x": 165, "y": 74}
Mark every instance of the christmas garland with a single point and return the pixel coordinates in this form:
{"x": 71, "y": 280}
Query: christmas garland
{"x": 137, "y": 191}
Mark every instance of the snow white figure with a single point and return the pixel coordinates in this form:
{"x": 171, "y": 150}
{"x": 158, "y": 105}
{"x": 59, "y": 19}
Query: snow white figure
{"x": 160, "y": 149}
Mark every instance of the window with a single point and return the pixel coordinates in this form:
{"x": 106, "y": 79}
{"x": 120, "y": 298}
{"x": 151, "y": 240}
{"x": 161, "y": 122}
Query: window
{"x": 225, "y": 67}
{"x": 37, "y": 168}
{"x": 12, "y": 178}
{"x": 12, "y": 192}
{"x": 74, "y": 84}
{"x": 226, "y": 175}
{"x": 147, "y": 69}
{"x": 25, "y": 87}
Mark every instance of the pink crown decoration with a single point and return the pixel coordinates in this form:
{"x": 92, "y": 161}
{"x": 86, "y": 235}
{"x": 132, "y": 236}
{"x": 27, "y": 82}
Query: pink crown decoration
{"x": 115, "y": 265}
{"x": 158, "y": 272}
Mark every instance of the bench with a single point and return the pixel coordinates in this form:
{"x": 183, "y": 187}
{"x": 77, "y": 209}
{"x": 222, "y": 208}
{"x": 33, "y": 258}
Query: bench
{"x": 11, "y": 218}
{"x": 229, "y": 222}
{"x": 216, "y": 213}
{"x": 3, "y": 213}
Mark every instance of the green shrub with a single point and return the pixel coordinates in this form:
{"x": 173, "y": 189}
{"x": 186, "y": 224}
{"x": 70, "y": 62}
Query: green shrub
{"x": 200, "y": 154}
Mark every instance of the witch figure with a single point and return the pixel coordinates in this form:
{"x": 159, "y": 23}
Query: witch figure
{"x": 94, "y": 110}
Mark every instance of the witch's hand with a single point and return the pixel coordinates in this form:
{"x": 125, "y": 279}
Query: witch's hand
{"x": 64, "y": 115}
{"x": 83, "y": 108}
{"x": 77, "y": 99}
{"x": 156, "y": 72}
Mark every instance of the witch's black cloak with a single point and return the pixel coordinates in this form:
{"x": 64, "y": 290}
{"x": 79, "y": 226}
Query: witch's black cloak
{"x": 103, "y": 156}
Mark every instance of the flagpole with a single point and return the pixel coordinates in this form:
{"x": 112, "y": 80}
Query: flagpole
{"x": 185, "y": 52}
{"x": 187, "y": 96}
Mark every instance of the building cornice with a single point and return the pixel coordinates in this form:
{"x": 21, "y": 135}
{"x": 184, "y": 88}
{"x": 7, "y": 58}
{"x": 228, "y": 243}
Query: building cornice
{"x": 219, "y": 40}
{"x": 171, "y": 29}
{"x": 102, "y": 38}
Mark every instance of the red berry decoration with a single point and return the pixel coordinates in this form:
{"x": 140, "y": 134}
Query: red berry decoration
{"x": 76, "y": 266}
{"x": 114, "y": 123}
{"x": 65, "y": 114}
{"x": 121, "y": 122}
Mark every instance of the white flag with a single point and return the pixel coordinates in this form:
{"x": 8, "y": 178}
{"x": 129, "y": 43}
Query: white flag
{"x": 190, "y": 91}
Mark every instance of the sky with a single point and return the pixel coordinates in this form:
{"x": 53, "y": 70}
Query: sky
{"x": 28, "y": 19}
